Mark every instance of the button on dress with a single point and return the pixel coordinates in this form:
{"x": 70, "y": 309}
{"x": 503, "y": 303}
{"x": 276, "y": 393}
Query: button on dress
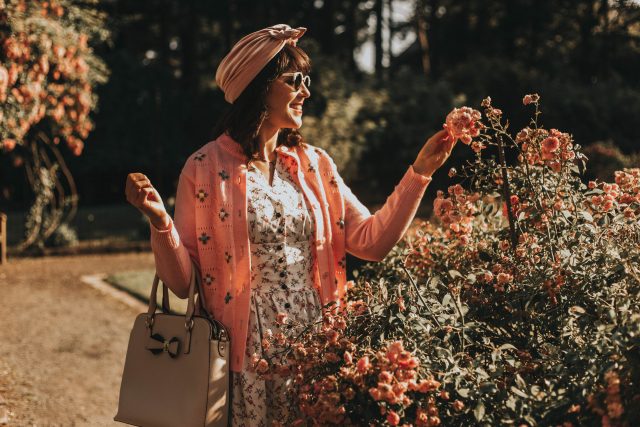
{"x": 281, "y": 233}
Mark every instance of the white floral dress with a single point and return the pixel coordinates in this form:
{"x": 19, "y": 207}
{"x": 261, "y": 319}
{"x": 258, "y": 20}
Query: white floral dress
{"x": 281, "y": 232}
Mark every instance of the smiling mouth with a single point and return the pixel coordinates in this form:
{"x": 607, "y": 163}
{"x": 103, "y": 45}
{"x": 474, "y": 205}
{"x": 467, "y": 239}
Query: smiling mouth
{"x": 296, "y": 107}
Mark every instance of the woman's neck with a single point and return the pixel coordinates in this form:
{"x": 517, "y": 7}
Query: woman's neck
{"x": 268, "y": 138}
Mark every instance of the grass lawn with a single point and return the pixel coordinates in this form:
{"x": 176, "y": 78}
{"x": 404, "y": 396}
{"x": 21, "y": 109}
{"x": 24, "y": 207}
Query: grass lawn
{"x": 138, "y": 283}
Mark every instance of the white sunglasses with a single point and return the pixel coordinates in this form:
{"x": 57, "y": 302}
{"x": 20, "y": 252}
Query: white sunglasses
{"x": 298, "y": 79}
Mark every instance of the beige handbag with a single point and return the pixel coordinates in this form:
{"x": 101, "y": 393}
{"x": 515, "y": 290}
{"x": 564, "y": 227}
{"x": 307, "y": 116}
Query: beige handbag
{"x": 176, "y": 372}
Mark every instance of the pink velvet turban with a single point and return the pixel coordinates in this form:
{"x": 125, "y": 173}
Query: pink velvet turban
{"x": 250, "y": 55}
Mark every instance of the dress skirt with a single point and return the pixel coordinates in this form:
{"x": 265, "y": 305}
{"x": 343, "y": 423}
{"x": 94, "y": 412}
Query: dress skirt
{"x": 281, "y": 232}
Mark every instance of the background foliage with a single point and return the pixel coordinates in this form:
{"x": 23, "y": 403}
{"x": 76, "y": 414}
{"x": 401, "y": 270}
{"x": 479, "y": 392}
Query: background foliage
{"x": 161, "y": 102}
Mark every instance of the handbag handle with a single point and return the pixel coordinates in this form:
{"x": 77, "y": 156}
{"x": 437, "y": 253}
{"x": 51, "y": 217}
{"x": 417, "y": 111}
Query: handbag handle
{"x": 192, "y": 306}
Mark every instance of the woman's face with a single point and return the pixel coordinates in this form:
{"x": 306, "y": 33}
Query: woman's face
{"x": 284, "y": 103}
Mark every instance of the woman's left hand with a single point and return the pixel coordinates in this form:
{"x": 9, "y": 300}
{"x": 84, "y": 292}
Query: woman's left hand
{"x": 434, "y": 153}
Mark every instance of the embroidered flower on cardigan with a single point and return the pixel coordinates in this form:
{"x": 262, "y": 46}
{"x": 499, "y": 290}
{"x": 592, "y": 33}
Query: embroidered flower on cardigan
{"x": 223, "y": 174}
{"x": 204, "y": 238}
{"x": 227, "y": 256}
{"x": 199, "y": 156}
{"x": 340, "y": 222}
{"x": 311, "y": 169}
{"x": 223, "y": 214}
{"x": 227, "y": 298}
{"x": 343, "y": 262}
{"x": 333, "y": 182}
{"x": 201, "y": 195}
{"x": 209, "y": 279}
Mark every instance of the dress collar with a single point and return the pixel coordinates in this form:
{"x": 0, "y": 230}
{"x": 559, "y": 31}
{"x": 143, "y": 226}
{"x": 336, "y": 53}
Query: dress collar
{"x": 234, "y": 147}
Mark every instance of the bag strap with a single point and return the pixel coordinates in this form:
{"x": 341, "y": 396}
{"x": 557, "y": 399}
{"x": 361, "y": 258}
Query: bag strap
{"x": 195, "y": 285}
{"x": 194, "y": 305}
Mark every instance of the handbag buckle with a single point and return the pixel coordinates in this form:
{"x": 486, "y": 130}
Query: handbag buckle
{"x": 222, "y": 340}
{"x": 189, "y": 324}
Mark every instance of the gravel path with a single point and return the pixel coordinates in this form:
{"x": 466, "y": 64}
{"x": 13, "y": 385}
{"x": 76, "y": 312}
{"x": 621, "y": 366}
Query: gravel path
{"x": 62, "y": 343}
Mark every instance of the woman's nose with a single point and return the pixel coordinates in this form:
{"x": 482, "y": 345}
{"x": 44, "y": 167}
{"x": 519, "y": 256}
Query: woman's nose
{"x": 305, "y": 91}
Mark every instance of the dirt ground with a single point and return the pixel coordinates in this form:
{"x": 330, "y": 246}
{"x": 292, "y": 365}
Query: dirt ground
{"x": 62, "y": 343}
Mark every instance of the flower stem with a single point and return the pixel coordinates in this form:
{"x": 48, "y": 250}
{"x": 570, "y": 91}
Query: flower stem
{"x": 507, "y": 193}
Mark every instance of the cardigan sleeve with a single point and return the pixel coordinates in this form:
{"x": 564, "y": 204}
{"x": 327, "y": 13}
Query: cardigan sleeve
{"x": 371, "y": 237}
{"x": 175, "y": 247}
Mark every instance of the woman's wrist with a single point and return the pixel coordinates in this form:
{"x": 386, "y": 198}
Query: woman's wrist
{"x": 162, "y": 223}
{"x": 422, "y": 170}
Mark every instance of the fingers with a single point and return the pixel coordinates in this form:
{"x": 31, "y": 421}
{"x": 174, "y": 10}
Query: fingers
{"x": 450, "y": 143}
{"x": 143, "y": 195}
{"x": 138, "y": 188}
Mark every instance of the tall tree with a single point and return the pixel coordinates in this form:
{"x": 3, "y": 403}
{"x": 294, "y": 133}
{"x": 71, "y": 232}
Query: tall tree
{"x": 377, "y": 38}
{"x": 423, "y": 39}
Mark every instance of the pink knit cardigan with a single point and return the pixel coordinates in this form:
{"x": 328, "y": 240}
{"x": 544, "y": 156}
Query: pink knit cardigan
{"x": 210, "y": 227}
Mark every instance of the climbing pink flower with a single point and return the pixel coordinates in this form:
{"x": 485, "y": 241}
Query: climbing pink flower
{"x": 551, "y": 144}
{"x": 281, "y": 318}
{"x": 393, "y": 418}
{"x": 363, "y": 364}
{"x": 504, "y": 278}
{"x": 9, "y": 144}
{"x": 263, "y": 366}
{"x": 531, "y": 98}
{"x": 463, "y": 123}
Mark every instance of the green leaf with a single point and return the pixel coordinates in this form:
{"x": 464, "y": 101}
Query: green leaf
{"x": 511, "y": 403}
{"x": 507, "y": 347}
{"x": 520, "y": 381}
{"x": 464, "y": 392}
{"x": 576, "y": 310}
{"x": 519, "y": 392}
{"x": 478, "y": 412}
{"x": 586, "y": 215}
{"x": 488, "y": 388}
{"x": 434, "y": 282}
{"x": 454, "y": 274}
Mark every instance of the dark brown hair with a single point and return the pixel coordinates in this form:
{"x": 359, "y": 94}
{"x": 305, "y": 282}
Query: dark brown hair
{"x": 243, "y": 119}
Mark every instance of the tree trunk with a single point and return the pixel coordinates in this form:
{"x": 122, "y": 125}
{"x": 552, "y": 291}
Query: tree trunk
{"x": 377, "y": 39}
{"x": 351, "y": 34}
{"x": 421, "y": 21}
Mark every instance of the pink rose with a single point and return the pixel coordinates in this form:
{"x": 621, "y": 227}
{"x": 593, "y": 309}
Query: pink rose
{"x": 458, "y": 405}
{"x": 463, "y": 123}
{"x": 263, "y": 366}
{"x": 281, "y": 318}
{"x": 8, "y": 144}
{"x": 363, "y": 364}
{"x": 504, "y": 278}
{"x": 332, "y": 335}
{"x": 375, "y": 393}
{"x": 531, "y": 98}
{"x": 395, "y": 347}
{"x": 550, "y": 144}
{"x": 393, "y": 418}
{"x": 385, "y": 377}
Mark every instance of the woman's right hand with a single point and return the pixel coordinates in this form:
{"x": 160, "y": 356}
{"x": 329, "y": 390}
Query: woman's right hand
{"x": 141, "y": 194}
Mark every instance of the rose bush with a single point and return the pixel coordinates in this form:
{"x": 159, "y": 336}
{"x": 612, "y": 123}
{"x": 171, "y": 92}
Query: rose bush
{"x": 518, "y": 305}
{"x": 48, "y": 72}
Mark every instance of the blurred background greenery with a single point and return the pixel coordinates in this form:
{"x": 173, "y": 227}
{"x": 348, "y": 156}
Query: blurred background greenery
{"x": 385, "y": 74}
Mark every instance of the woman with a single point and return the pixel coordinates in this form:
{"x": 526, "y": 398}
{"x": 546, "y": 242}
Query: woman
{"x": 267, "y": 218}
